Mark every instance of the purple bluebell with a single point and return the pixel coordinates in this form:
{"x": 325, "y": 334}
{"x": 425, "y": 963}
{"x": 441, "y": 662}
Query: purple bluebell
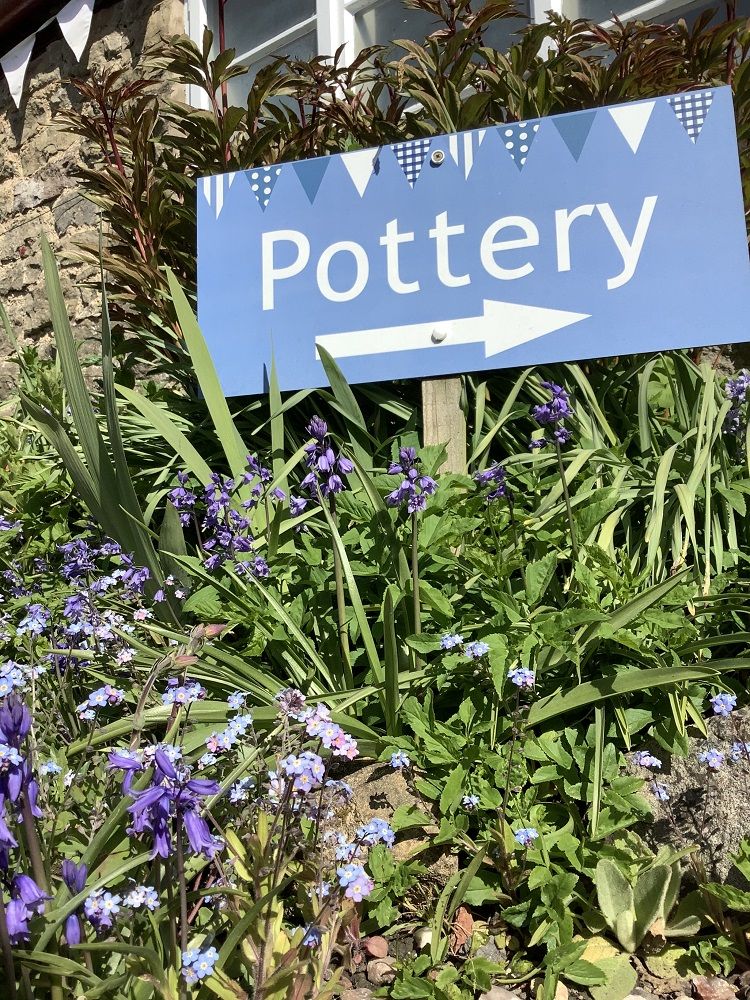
{"x": 173, "y": 794}
{"x": 495, "y": 479}
{"x": 325, "y": 465}
{"x": 414, "y": 487}
{"x": 552, "y": 414}
{"x": 74, "y": 876}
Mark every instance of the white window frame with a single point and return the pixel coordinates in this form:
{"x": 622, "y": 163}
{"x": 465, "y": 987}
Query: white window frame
{"x": 335, "y": 24}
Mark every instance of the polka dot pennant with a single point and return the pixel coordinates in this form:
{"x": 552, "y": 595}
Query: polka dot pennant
{"x": 262, "y": 182}
{"x": 691, "y": 110}
{"x": 411, "y": 156}
{"x": 517, "y": 138}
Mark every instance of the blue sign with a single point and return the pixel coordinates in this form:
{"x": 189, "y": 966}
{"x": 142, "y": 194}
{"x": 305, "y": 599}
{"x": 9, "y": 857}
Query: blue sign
{"x": 596, "y": 233}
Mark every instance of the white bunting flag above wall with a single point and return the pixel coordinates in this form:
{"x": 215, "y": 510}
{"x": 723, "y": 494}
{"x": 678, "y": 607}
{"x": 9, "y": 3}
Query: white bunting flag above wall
{"x": 75, "y": 24}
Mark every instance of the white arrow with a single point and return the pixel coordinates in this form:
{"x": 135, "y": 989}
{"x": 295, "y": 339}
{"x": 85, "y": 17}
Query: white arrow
{"x": 503, "y": 325}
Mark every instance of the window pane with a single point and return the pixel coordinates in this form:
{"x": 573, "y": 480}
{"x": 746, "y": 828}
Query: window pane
{"x": 503, "y": 33}
{"x": 304, "y": 47}
{"x": 249, "y": 23}
{"x": 665, "y": 13}
{"x": 389, "y": 19}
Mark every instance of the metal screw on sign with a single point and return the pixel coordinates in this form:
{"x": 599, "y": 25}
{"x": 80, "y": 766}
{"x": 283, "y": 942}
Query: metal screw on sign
{"x": 437, "y": 157}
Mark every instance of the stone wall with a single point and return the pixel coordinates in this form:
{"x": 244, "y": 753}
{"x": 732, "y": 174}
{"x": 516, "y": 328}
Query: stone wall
{"x": 38, "y": 192}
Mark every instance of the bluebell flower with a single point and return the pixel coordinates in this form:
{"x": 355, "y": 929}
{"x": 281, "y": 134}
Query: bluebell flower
{"x": 724, "y": 703}
{"x": 326, "y": 467}
{"x": 525, "y": 836}
{"x": 495, "y": 479}
{"x": 74, "y": 876}
{"x": 414, "y": 487}
{"x": 171, "y": 795}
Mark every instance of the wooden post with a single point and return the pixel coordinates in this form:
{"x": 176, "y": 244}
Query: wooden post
{"x": 443, "y": 420}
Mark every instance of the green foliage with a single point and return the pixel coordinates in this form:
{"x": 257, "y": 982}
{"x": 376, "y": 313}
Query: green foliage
{"x": 632, "y": 912}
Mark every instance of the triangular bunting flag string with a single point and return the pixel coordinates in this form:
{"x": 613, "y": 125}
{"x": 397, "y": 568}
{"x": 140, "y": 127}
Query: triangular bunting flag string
{"x": 411, "y": 156}
{"x": 574, "y": 130}
{"x": 262, "y": 182}
{"x": 360, "y": 166}
{"x": 75, "y": 23}
{"x": 311, "y": 174}
{"x": 691, "y": 110}
{"x": 632, "y": 119}
{"x": 14, "y": 64}
{"x": 517, "y": 138}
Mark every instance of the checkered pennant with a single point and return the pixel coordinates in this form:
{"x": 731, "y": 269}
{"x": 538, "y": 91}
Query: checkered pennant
{"x": 517, "y": 138}
{"x": 692, "y": 110}
{"x": 262, "y": 182}
{"x": 411, "y": 156}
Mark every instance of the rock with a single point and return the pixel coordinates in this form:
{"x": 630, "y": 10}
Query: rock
{"x": 402, "y": 947}
{"x": 722, "y": 795}
{"x": 639, "y": 994}
{"x": 713, "y": 988}
{"x": 422, "y": 938}
{"x": 561, "y": 991}
{"x": 361, "y": 994}
{"x": 381, "y": 971}
{"x": 492, "y": 953}
{"x": 499, "y": 993}
{"x": 378, "y": 791}
{"x": 375, "y": 946}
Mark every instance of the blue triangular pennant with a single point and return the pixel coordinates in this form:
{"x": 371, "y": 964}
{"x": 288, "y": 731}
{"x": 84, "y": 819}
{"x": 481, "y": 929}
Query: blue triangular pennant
{"x": 517, "y": 138}
{"x": 262, "y": 183}
{"x": 691, "y": 110}
{"x": 411, "y": 156}
{"x": 311, "y": 174}
{"x": 574, "y": 130}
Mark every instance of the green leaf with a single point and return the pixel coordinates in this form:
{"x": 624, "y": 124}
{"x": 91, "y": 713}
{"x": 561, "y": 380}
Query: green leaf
{"x": 452, "y": 790}
{"x": 227, "y": 433}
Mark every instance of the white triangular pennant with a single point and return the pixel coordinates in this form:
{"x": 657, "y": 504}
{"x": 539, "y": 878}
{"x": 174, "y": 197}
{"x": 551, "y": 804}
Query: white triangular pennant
{"x": 14, "y": 64}
{"x": 207, "y": 188}
{"x": 219, "y": 194}
{"x": 632, "y": 120}
{"x": 360, "y": 165}
{"x": 75, "y": 23}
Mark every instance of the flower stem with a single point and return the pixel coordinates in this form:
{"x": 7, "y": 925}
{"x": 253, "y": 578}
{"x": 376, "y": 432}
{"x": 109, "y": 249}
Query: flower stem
{"x": 32, "y": 844}
{"x": 180, "y": 856}
{"x": 415, "y": 572}
{"x": 8, "y": 964}
{"x": 343, "y": 634}
{"x": 566, "y": 495}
